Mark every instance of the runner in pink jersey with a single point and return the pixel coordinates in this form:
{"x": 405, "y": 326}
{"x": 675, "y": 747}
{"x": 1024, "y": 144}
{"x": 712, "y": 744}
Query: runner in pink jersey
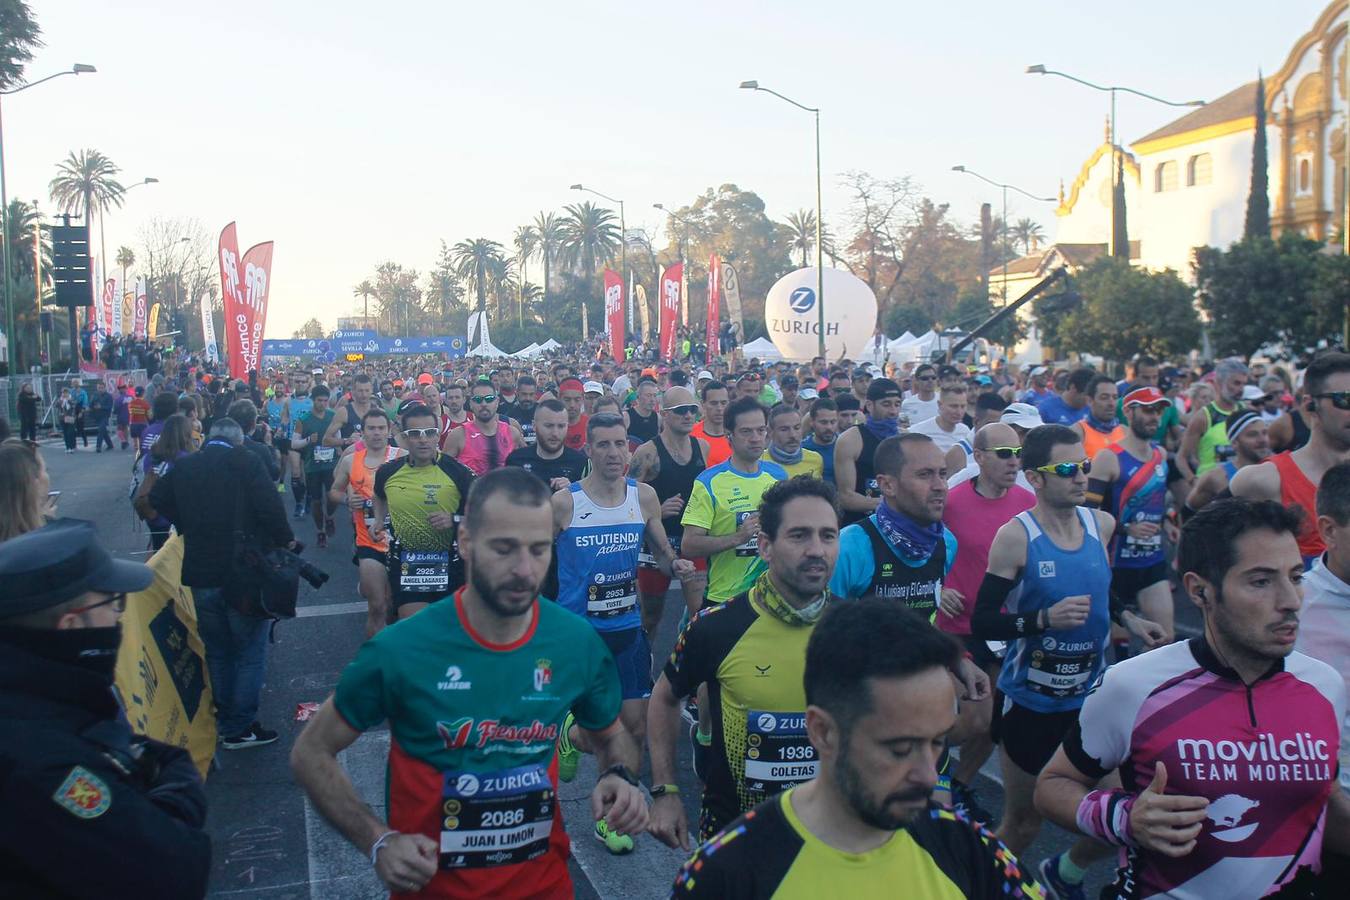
{"x": 486, "y": 439}
{"x": 1226, "y": 745}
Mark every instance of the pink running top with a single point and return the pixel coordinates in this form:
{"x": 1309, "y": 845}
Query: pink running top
{"x": 974, "y": 520}
{"x": 1264, "y": 756}
{"x": 484, "y": 452}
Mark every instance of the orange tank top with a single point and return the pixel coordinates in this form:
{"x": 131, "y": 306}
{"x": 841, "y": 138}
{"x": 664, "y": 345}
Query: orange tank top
{"x": 719, "y": 447}
{"x": 362, "y": 481}
{"x": 1296, "y": 491}
{"x": 1094, "y": 440}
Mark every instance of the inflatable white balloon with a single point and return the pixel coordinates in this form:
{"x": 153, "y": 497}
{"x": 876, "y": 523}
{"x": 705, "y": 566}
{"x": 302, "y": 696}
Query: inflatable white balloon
{"x": 792, "y": 317}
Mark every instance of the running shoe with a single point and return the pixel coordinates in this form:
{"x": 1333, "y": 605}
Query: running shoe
{"x": 689, "y": 712}
{"x": 1058, "y": 888}
{"x": 966, "y": 801}
{"x": 614, "y": 842}
{"x": 256, "y": 736}
{"x": 568, "y": 755}
{"x": 699, "y": 752}
{"x": 330, "y": 526}
{"x": 299, "y": 511}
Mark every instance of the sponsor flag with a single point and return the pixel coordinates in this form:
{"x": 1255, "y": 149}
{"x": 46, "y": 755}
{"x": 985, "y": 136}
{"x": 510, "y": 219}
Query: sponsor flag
{"x": 115, "y": 327}
{"x": 138, "y": 328}
{"x": 640, "y": 298}
{"x": 231, "y": 293}
{"x": 714, "y": 306}
{"x": 246, "y": 336}
{"x": 731, "y": 292}
{"x": 614, "y": 313}
{"x": 209, "y": 333}
{"x": 153, "y": 326}
{"x": 684, "y": 295}
{"x": 669, "y": 300}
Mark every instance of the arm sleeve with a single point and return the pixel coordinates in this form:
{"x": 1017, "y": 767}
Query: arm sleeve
{"x": 854, "y": 568}
{"x": 134, "y": 848}
{"x": 699, "y": 510}
{"x": 361, "y": 696}
{"x": 990, "y": 622}
{"x": 1099, "y": 493}
{"x": 598, "y": 707}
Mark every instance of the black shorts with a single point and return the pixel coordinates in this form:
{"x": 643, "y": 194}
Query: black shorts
{"x": 1128, "y": 584}
{"x": 979, "y": 651}
{"x": 399, "y": 598}
{"x": 317, "y": 483}
{"x": 282, "y": 444}
{"x": 369, "y": 553}
{"x": 1030, "y": 738}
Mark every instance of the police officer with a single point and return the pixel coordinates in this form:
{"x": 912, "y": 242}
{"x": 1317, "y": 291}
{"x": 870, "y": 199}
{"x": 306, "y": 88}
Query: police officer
{"x": 87, "y": 809}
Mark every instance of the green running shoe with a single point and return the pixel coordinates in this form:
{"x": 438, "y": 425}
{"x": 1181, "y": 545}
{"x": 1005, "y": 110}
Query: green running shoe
{"x": 614, "y": 842}
{"x": 568, "y": 756}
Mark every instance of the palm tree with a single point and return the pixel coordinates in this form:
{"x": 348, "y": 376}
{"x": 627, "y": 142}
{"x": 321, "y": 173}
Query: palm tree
{"x": 19, "y": 37}
{"x": 549, "y": 230}
{"x": 22, "y": 221}
{"x": 126, "y": 258}
{"x": 590, "y": 237}
{"x": 801, "y": 231}
{"x": 85, "y": 184}
{"x": 475, "y": 261}
{"x": 364, "y": 290}
{"x": 1026, "y": 232}
{"x": 527, "y": 243}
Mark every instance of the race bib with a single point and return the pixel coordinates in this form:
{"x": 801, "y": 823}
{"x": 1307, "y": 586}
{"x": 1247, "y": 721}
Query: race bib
{"x": 424, "y": 571}
{"x": 1058, "y": 671}
{"x": 750, "y": 547}
{"x": 497, "y": 818}
{"x": 608, "y": 601}
{"x": 368, "y": 514}
{"x": 324, "y": 454}
{"x": 777, "y": 752}
{"x": 647, "y": 561}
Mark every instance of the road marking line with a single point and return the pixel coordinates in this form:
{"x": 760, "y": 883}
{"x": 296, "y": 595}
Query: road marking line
{"x": 337, "y": 870}
{"x": 331, "y": 609}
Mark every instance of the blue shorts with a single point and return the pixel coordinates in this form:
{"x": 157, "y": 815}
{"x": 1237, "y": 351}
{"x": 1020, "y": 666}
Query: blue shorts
{"x": 633, "y": 658}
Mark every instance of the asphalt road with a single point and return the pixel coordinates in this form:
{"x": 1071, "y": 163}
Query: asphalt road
{"x": 268, "y": 841}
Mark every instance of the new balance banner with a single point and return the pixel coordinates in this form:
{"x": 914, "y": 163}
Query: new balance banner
{"x": 141, "y": 312}
{"x": 614, "y": 313}
{"x": 714, "y": 306}
{"x": 231, "y": 285}
{"x": 256, "y": 268}
{"x": 731, "y": 292}
{"x": 670, "y": 308}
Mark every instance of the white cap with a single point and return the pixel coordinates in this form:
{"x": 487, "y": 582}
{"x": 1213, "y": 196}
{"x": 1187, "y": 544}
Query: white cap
{"x": 1023, "y": 415}
{"x": 1252, "y": 392}
{"x": 593, "y": 387}
{"x": 808, "y": 393}
{"x": 1038, "y": 370}
{"x": 704, "y": 374}
{"x": 317, "y": 372}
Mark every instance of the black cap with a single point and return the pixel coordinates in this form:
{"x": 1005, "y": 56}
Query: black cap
{"x": 788, "y": 381}
{"x": 881, "y": 388}
{"x": 59, "y": 562}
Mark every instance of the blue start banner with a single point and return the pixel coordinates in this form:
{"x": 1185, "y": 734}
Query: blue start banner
{"x": 329, "y": 349}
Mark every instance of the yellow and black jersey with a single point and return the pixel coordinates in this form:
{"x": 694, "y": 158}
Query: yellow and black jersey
{"x": 753, "y": 663}
{"x": 768, "y": 853}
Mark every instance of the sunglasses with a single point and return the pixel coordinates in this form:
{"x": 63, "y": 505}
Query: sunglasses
{"x": 1067, "y": 469}
{"x": 118, "y": 602}
{"x": 421, "y": 432}
{"x": 483, "y": 398}
{"x": 1005, "y": 452}
{"x": 925, "y": 378}
{"x": 1339, "y": 399}
{"x": 686, "y": 410}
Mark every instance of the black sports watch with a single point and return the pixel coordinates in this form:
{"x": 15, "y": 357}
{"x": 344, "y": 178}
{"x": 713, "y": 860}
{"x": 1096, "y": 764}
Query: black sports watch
{"x": 623, "y": 772}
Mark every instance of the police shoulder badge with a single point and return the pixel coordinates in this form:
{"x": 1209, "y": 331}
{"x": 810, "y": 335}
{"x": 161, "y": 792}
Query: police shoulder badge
{"x": 84, "y": 794}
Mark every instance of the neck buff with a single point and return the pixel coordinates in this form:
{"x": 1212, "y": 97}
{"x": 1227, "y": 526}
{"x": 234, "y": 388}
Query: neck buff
{"x": 783, "y": 458}
{"x": 93, "y": 650}
{"x": 766, "y": 596}
{"x": 912, "y": 540}
{"x": 1104, "y": 427}
{"x": 883, "y": 428}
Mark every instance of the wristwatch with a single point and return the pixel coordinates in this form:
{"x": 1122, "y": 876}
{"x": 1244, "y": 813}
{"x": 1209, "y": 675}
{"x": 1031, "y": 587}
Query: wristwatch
{"x": 623, "y": 772}
{"x": 661, "y": 790}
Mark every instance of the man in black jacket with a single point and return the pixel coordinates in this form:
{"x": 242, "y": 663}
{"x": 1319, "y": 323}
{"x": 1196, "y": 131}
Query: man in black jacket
{"x": 87, "y": 808}
{"x": 246, "y": 414}
{"x": 208, "y": 495}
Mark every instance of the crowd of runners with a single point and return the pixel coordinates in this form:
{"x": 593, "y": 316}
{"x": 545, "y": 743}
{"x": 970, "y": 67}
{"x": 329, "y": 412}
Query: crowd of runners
{"x": 886, "y": 573}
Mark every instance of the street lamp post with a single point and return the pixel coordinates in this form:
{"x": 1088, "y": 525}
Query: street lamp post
{"x": 1004, "y": 188}
{"x": 820, "y": 264}
{"x": 10, "y": 343}
{"x": 1039, "y": 69}
{"x": 623, "y": 235}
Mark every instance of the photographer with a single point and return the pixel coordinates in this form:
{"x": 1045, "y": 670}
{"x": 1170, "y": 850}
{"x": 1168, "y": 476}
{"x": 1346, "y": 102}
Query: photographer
{"x": 212, "y": 496}
{"x": 90, "y": 809}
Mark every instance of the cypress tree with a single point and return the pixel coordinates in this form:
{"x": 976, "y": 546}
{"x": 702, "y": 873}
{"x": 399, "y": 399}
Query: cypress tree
{"x": 1258, "y": 197}
{"x": 1120, "y": 238}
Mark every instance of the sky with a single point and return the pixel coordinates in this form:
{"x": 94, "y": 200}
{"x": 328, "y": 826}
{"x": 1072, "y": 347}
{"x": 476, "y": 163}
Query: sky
{"x": 355, "y": 133}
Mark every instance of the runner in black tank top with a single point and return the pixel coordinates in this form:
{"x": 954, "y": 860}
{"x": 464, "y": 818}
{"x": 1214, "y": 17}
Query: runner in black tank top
{"x": 641, "y": 429}
{"x": 676, "y": 479}
{"x": 867, "y": 478}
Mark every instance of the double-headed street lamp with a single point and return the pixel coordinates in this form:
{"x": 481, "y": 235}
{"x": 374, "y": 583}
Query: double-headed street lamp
{"x": 623, "y": 233}
{"x": 1005, "y": 188}
{"x": 820, "y": 265}
{"x": 1039, "y": 69}
{"x": 10, "y": 342}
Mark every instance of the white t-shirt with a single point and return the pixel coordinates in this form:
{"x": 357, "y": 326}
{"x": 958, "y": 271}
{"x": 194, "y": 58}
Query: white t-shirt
{"x": 945, "y": 440}
{"x": 916, "y": 410}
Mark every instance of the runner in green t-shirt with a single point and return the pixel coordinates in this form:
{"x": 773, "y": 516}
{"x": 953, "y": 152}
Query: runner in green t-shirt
{"x": 475, "y": 692}
{"x": 320, "y": 461}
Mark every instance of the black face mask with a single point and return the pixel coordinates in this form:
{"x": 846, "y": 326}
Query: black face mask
{"x": 92, "y": 649}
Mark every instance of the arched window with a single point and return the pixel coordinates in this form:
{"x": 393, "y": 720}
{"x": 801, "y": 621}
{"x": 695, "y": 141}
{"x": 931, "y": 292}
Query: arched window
{"x": 1199, "y": 170}
{"x": 1304, "y": 175}
{"x": 1165, "y": 177}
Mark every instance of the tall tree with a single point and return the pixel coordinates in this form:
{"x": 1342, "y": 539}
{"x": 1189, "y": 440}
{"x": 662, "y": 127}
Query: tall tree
{"x": 590, "y": 239}
{"x": 475, "y": 261}
{"x": 364, "y": 290}
{"x": 445, "y": 295}
{"x": 551, "y": 234}
{"x": 1027, "y": 232}
{"x": 526, "y": 241}
{"x": 86, "y": 183}
{"x": 126, "y": 258}
{"x": 19, "y": 37}
{"x": 1120, "y": 235}
{"x": 1258, "y": 195}
{"x": 311, "y": 330}
{"x": 801, "y": 232}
